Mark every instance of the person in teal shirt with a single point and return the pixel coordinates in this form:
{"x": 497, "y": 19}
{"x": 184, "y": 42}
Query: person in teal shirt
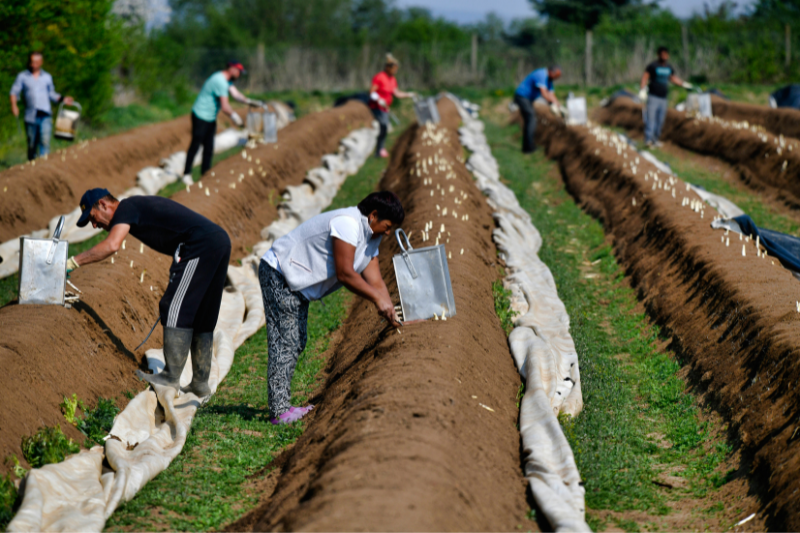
{"x": 213, "y": 96}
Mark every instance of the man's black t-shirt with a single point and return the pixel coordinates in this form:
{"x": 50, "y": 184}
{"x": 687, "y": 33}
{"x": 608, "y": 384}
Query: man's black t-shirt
{"x": 659, "y": 78}
{"x": 161, "y": 223}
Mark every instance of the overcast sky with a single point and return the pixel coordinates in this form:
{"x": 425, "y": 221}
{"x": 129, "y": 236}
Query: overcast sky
{"x": 474, "y": 10}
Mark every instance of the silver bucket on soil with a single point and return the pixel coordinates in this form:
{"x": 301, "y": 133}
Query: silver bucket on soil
{"x": 262, "y": 124}
{"x": 426, "y": 111}
{"x": 43, "y": 269}
{"x": 423, "y": 281}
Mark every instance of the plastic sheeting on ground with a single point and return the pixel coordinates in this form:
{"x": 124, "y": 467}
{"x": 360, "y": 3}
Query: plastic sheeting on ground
{"x": 149, "y": 181}
{"x": 783, "y": 247}
{"x": 540, "y": 343}
{"x": 79, "y": 494}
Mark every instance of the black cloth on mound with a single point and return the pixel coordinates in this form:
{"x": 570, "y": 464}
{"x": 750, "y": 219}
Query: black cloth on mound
{"x": 785, "y": 248}
{"x": 788, "y": 96}
{"x": 361, "y": 97}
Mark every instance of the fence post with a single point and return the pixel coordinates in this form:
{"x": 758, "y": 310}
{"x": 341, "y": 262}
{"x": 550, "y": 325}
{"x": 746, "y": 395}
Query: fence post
{"x": 788, "y": 45}
{"x": 588, "y": 66}
{"x": 257, "y": 81}
{"x": 474, "y": 57}
{"x": 685, "y": 42}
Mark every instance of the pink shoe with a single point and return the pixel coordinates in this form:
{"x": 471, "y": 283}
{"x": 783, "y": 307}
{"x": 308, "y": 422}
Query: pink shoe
{"x": 292, "y": 415}
{"x": 383, "y": 153}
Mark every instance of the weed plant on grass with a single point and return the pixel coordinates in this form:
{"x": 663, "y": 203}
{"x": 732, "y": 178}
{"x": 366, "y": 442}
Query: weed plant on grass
{"x": 8, "y": 497}
{"x": 638, "y": 421}
{"x": 502, "y": 305}
{"x": 48, "y": 445}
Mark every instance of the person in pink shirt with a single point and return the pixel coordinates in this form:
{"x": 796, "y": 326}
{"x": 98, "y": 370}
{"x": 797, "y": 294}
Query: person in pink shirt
{"x": 381, "y": 93}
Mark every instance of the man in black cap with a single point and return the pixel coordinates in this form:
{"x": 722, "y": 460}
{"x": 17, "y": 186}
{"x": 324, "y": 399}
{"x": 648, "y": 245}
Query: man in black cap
{"x": 200, "y": 250}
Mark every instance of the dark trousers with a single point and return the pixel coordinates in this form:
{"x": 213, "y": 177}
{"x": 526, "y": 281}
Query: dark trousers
{"x": 38, "y": 134}
{"x": 202, "y": 135}
{"x": 287, "y": 333}
{"x": 196, "y": 280}
{"x": 383, "y": 119}
{"x": 528, "y": 123}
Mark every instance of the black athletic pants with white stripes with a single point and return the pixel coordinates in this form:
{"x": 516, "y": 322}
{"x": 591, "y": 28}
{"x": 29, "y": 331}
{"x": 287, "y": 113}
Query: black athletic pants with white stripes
{"x": 196, "y": 279}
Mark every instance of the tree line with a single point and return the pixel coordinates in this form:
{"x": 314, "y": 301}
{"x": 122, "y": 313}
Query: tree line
{"x": 93, "y": 47}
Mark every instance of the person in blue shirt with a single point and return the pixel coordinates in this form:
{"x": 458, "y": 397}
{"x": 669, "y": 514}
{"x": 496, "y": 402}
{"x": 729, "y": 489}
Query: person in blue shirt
{"x": 36, "y": 88}
{"x": 213, "y": 96}
{"x": 657, "y": 77}
{"x": 538, "y": 84}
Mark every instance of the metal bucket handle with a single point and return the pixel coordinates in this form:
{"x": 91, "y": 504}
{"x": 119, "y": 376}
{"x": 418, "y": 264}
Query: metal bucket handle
{"x": 74, "y": 104}
{"x": 56, "y": 234}
{"x": 405, "y": 255}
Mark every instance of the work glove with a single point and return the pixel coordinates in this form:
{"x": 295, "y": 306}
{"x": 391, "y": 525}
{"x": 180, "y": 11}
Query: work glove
{"x": 688, "y": 86}
{"x": 72, "y": 264}
{"x": 643, "y": 95}
{"x": 237, "y": 119}
{"x": 557, "y": 110}
{"x": 375, "y": 98}
{"x": 255, "y": 103}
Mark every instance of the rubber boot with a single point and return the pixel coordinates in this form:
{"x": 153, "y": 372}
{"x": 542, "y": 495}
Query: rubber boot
{"x": 176, "y": 351}
{"x": 202, "y": 348}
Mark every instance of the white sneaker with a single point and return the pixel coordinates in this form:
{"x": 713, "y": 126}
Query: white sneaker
{"x": 187, "y": 179}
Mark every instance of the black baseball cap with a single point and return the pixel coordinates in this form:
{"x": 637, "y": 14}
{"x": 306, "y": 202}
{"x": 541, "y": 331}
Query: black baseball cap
{"x": 89, "y": 198}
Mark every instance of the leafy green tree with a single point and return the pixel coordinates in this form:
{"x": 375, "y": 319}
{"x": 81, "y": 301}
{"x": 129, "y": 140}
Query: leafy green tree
{"x": 584, "y": 13}
{"x": 81, "y": 45}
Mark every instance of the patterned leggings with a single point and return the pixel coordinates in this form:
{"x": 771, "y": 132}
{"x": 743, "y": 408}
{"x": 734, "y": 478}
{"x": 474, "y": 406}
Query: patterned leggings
{"x": 287, "y": 333}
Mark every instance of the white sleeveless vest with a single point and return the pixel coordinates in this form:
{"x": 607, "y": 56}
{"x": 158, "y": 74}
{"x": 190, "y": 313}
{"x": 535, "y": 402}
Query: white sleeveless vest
{"x": 305, "y": 254}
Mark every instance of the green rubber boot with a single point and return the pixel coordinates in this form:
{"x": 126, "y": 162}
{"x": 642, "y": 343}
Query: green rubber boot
{"x": 176, "y": 351}
{"x": 202, "y": 348}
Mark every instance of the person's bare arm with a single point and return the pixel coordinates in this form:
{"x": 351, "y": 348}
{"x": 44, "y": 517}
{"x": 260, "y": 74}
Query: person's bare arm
{"x": 548, "y": 95}
{"x": 645, "y": 80}
{"x": 14, "y": 107}
{"x": 103, "y": 249}
{"x": 225, "y": 105}
{"x": 372, "y": 275}
{"x": 403, "y": 94}
{"x": 677, "y": 81}
{"x": 343, "y": 255}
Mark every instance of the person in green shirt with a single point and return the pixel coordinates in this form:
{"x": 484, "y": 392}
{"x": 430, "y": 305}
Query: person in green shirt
{"x": 213, "y": 96}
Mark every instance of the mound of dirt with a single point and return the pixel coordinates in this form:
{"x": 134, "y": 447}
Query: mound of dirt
{"x": 35, "y": 193}
{"x": 733, "y": 319}
{"x": 764, "y": 162}
{"x": 781, "y": 121}
{"x": 414, "y": 431}
{"x": 87, "y": 349}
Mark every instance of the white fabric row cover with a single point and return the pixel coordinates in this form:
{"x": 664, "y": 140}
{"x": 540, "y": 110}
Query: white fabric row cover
{"x": 149, "y": 181}
{"x": 540, "y": 343}
{"x": 79, "y": 494}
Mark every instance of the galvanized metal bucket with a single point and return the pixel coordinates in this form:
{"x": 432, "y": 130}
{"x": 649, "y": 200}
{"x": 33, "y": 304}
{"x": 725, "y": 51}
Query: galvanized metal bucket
{"x": 67, "y": 122}
{"x": 699, "y": 104}
{"x": 576, "y": 111}
{"x": 262, "y": 124}
{"x": 43, "y": 269}
{"x": 423, "y": 280}
{"x": 426, "y": 110}
{"x": 270, "y": 127}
